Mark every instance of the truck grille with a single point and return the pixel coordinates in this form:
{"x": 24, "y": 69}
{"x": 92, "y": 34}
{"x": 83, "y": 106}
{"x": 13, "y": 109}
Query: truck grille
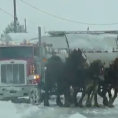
{"x": 12, "y": 73}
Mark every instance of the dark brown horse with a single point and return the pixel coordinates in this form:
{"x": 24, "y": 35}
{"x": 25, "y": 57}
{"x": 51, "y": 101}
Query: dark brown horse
{"x": 73, "y": 63}
{"x": 81, "y": 78}
{"x": 90, "y": 82}
{"x": 53, "y": 79}
{"x": 110, "y": 85}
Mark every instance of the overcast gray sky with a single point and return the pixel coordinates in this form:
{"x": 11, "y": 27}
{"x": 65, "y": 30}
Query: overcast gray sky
{"x": 88, "y": 11}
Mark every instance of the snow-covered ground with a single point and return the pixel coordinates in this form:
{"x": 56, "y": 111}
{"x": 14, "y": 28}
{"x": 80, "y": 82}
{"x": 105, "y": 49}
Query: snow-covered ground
{"x": 12, "y": 110}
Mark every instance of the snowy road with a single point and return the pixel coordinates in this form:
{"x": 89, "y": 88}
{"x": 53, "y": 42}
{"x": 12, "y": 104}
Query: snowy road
{"x": 11, "y": 110}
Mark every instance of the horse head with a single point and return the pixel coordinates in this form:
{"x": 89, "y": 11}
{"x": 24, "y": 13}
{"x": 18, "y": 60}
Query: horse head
{"x": 115, "y": 64}
{"x": 114, "y": 68}
{"x": 97, "y": 69}
{"x": 76, "y": 59}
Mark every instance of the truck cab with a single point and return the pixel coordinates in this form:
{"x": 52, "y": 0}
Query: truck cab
{"x": 19, "y": 72}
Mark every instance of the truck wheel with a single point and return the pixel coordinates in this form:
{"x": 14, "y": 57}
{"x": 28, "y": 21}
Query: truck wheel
{"x": 35, "y": 96}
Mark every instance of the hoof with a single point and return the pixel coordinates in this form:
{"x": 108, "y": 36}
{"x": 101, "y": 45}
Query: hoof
{"x": 105, "y": 102}
{"x": 80, "y": 105}
{"x": 66, "y": 105}
{"x": 111, "y": 105}
{"x": 60, "y": 104}
{"x": 46, "y": 104}
{"x": 88, "y": 105}
{"x": 96, "y": 105}
{"x": 76, "y": 104}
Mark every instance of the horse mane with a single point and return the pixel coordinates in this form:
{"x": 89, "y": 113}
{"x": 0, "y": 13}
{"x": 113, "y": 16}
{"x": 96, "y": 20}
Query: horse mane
{"x": 96, "y": 63}
{"x": 76, "y": 59}
{"x": 114, "y": 65}
{"x": 95, "y": 67}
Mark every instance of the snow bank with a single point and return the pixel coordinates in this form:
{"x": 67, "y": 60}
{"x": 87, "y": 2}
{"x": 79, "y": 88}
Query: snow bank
{"x": 8, "y": 110}
{"x": 11, "y": 110}
{"x": 77, "y": 115}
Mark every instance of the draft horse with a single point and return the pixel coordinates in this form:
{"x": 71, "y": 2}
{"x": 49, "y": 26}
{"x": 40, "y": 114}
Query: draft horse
{"x": 90, "y": 82}
{"x": 53, "y": 79}
{"x": 110, "y": 84}
{"x": 74, "y": 62}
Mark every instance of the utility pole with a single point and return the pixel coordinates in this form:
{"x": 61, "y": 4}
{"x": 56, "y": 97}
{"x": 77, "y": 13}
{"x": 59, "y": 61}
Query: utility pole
{"x": 40, "y": 50}
{"x": 117, "y": 42}
{"x": 15, "y": 17}
{"x": 42, "y": 67}
{"x": 25, "y": 25}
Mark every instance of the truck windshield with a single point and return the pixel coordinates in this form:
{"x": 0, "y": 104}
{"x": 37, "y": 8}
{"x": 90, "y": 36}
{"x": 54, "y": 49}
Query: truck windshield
{"x": 16, "y": 52}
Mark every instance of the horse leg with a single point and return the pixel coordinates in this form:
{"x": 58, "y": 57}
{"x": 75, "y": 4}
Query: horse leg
{"x": 67, "y": 98}
{"x": 102, "y": 93}
{"x": 58, "y": 101}
{"x": 96, "y": 101}
{"x": 82, "y": 97}
{"x": 46, "y": 97}
{"x": 89, "y": 91}
{"x": 93, "y": 92}
{"x": 88, "y": 99}
{"x": 109, "y": 93}
{"x": 95, "y": 97}
{"x": 111, "y": 101}
{"x": 90, "y": 96}
{"x": 105, "y": 100}
{"x": 75, "y": 97}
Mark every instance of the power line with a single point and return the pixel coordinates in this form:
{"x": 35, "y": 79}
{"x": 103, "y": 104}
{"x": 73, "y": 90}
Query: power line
{"x": 6, "y": 12}
{"x": 63, "y": 18}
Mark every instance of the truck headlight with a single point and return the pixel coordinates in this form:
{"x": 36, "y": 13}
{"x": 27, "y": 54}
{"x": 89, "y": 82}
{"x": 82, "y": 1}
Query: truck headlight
{"x": 36, "y": 77}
